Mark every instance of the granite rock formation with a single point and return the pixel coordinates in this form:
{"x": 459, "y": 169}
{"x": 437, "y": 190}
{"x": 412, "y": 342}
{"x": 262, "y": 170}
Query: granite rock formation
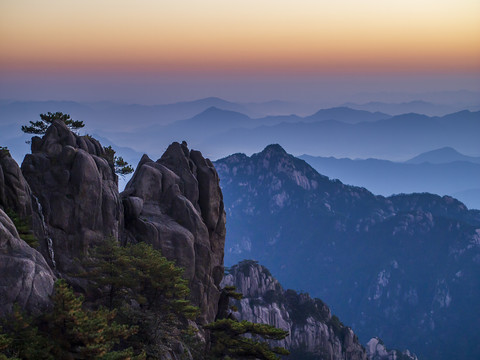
{"x": 175, "y": 203}
{"x": 314, "y": 332}
{"x": 26, "y": 277}
{"x": 77, "y": 189}
{"x": 377, "y": 350}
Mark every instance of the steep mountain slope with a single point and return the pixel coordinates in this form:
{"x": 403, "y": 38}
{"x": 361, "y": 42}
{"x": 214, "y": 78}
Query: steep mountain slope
{"x": 404, "y": 268}
{"x": 315, "y": 333}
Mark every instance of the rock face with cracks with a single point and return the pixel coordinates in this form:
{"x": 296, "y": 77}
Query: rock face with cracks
{"x": 77, "y": 189}
{"x": 175, "y": 204}
{"x": 313, "y": 332}
{"x": 26, "y": 277}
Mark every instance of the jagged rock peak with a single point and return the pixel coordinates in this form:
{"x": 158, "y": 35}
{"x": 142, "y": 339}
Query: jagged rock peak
{"x": 314, "y": 332}
{"x": 175, "y": 203}
{"x": 77, "y": 189}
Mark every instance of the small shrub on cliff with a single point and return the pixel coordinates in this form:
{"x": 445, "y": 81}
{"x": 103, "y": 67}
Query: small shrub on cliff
{"x": 40, "y": 127}
{"x": 121, "y": 167}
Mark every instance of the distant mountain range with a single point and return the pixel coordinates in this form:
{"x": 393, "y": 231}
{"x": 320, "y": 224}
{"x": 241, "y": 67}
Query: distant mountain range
{"x": 444, "y": 171}
{"x": 221, "y": 127}
{"x": 405, "y": 268}
{"x": 418, "y": 106}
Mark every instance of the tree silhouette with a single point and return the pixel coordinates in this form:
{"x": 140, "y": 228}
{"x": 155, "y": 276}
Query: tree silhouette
{"x": 40, "y": 127}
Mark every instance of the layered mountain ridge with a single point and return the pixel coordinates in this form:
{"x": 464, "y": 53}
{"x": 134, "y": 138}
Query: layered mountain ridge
{"x": 404, "y": 268}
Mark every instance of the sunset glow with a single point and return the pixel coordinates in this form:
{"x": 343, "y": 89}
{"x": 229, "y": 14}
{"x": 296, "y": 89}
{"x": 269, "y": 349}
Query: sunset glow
{"x": 241, "y": 36}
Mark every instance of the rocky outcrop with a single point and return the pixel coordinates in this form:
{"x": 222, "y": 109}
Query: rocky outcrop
{"x": 16, "y": 199}
{"x": 314, "y": 332}
{"x": 175, "y": 204}
{"x": 377, "y": 350}
{"x": 77, "y": 190}
{"x": 26, "y": 277}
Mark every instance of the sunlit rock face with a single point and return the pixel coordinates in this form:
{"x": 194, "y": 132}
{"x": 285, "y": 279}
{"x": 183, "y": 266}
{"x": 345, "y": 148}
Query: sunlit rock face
{"x": 77, "y": 192}
{"x": 313, "y": 332}
{"x": 175, "y": 204}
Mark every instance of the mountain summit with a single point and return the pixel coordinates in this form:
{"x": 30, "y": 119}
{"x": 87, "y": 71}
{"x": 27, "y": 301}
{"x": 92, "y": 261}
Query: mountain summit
{"x": 404, "y": 268}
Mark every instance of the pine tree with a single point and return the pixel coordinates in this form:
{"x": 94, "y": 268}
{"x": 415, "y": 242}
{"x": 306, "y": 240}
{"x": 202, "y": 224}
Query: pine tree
{"x": 120, "y": 166}
{"x": 148, "y": 290}
{"x": 233, "y": 339}
{"x": 87, "y": 333}
{"x": 40, "y": 127}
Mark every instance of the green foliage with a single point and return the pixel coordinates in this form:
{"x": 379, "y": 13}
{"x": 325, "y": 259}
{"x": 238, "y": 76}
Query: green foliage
{"x": 121, "y": 167}
{"x": 231, "y": 293}
{"x": 40, "y": 127}
{"x": 90, "y": 334}
{"x": 148, "y": 290}
{"x": 229, "y": 340}
{"x": 23, "y": 228}
{"x": 233, "y": 339}
{"x": 69, "y": 331}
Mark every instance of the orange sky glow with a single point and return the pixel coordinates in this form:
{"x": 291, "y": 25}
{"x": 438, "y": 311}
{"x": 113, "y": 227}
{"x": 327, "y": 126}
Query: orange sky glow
{"x": 241, "y": 36}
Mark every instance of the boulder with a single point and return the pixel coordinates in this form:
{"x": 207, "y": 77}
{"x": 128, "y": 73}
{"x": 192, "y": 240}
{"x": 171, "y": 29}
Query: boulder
{"x": 26, "y": 277}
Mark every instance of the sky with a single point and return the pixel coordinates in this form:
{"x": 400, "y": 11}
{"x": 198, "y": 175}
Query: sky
{"x": 157, "y": 51}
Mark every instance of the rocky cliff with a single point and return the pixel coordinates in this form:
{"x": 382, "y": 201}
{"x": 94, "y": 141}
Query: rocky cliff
{"x": 314, "y": 332}
{"x": 77, "y": 190}
{"x": 175, "y": 204}
{"x": 26, "y": 279}
{"x": 376, "y": 350}
{"x": 67, "y": 193}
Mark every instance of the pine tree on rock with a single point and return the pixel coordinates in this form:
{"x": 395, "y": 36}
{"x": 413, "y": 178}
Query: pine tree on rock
{"x": 40, "y": 127}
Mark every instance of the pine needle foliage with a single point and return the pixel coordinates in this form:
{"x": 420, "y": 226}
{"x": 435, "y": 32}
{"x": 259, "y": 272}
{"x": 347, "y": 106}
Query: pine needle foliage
{"x": 233, "y": 339}
{"x": 120, "y": 166}
{"x": 148, "y": 290}
{"x": 40, "y": 127}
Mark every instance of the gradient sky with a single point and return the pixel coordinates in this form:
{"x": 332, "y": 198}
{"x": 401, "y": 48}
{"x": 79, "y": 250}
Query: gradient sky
{"x": 203, "y": 48}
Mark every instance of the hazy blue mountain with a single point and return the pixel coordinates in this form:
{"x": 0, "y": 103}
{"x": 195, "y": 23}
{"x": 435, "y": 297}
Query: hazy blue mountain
{"x": 442, "y": 156}
{"x": 386, "y": 177}
{"x": 405, "y": 268}
{"x": 417, "y": 106}
{"x": 397, "y": 138}
{"x": 346, "y": 115}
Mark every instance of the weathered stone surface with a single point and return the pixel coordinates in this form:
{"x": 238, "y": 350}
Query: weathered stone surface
{"x": 313, "y": 331}
{"x": 176, "y": 205}
{"x": 26, "y": 278}
{"x": 78, "y": 192}
{"x": 16, "y": 197}
{"x": 377, "y": 350}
